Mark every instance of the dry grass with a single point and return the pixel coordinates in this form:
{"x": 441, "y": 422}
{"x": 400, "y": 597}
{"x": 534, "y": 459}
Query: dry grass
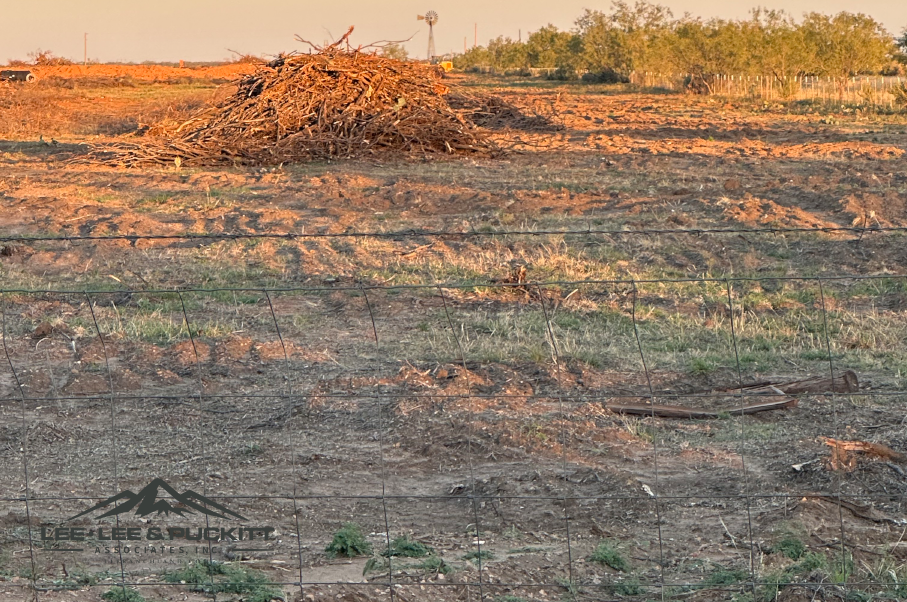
{"x": 49, "y": 110}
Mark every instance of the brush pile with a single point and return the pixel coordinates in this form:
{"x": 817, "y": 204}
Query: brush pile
{"x": 331, "y": 104}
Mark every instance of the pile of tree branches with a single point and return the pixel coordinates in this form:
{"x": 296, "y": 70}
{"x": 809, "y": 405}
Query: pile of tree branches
{"x": 334, "y": 103}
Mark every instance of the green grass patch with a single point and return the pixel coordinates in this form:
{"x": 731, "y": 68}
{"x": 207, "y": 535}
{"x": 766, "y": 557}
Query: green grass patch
{"x": 791, "y": 546}
{"x": 628, "y": 587}
{"x": 219, "y": 577}
{"x": 434, "y": 565}
{"x": 121, "y": 594}
{"x": 723, "y": 576}
{"x": 349, "y": 542}
{"x": 607, "y": 553}
{"x": 476, "y": 556}
{"x": 407, "y": 548}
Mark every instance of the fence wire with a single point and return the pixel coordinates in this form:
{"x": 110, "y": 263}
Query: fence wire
{"x": 457, "y": 441}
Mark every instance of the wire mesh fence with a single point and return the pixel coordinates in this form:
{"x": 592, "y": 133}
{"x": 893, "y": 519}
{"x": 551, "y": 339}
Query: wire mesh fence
{"x": 589, "y": 440}
{"x": 878, "y": 91}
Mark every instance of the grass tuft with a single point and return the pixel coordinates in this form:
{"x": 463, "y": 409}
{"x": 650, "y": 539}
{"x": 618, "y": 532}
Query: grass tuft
{"x": 122, "y": 594}
{"x": 791, "y": 547}
{"x": 723, "y": 576}
{"x": 628, "y": 587}
{"x": 407, "y": 548}
{"x": 607, "y": 553}
{"x": 434, "y": 565}
{"x": 349, "y": 542}
{"x": 219, "y": 577}
{"x": 476, "y": 555}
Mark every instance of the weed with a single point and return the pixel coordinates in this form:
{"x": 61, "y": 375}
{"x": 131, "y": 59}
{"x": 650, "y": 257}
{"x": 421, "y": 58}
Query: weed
{"x": 814, "y": 354}
{"x": 790, "y": 546}
{"x": 253, "y": 449}
{"x": 407, "y": 548}
{"x": 434, "y": 565}
{"x": 702, "y": 365}
{"x": 477, "y": 555}
{"x": 509, "y": 598}
{"x": 375, "y": 564}
{"x": 637, "y": 428}
{"x": 149, "y": 204}
{"x": 571, "y": 589}
{"x": 349, "y": 542}
{"x": 723, "y": 576}
{"x": 123, "y": 594}
{"x": 811, "y": 561}
{"x": 841, "y": 568}
{"x": 218, "y": 577}
{"x": 607, "y": 553}
{"x": 628, "y": 587}
{"x": 772, "y": 585}
{"x": 77, "y": 579}
{"x": 774, "y": 582}
{"x": 887, "y": 573}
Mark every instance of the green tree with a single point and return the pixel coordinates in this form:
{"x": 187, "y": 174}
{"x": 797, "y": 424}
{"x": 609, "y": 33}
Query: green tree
{"x": 847, "y": 44}
{"x": 777, "y": 46}
{"x": 395, "y": 51}
{"x": 549, "y": 47}
{"x": 501, "y": 53}
{"x": 706, "y": 47}
{"x": 477, "y": 56}
{"x": 623, "y": 39}
{"x": 901, "y": 54}
{"x": 506, "y": 53}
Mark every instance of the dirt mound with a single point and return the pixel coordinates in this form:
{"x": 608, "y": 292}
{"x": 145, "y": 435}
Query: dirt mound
{"x": 876, "y": 210}
{"x": 763, "y": 212}
{"x": 334, "y": 103}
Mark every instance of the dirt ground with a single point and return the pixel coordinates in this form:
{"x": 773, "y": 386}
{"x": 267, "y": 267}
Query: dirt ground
{"x": 453, "y": 388}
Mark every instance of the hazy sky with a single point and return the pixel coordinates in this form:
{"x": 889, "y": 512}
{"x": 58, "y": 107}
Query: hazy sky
{"x": 169, "y": 30}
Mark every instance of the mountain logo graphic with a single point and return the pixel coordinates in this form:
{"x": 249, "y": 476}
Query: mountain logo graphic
{"x": 148, "y": 501}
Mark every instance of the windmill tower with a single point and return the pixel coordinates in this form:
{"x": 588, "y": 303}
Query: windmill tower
{"x": 431, "y": 17}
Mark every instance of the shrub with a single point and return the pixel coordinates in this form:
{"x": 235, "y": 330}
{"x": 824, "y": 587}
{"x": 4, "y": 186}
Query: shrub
{"x": 219, "y": 577}
{"x": 407, "y": 548}
{"x": 607, "y": 553}
{"x": 349, "y": 542}
{"x": 122, "y": 594}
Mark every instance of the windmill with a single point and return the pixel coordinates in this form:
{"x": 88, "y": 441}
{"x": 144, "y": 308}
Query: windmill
{"x": 431, "y": 17}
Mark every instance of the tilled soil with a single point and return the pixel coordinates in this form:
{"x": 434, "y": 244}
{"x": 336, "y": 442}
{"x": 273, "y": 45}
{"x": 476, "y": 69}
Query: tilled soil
{"x": 470, "y": 419}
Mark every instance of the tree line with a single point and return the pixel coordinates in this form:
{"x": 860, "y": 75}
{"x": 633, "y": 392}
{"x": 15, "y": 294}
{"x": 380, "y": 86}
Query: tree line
{"x": 645, "y": 37}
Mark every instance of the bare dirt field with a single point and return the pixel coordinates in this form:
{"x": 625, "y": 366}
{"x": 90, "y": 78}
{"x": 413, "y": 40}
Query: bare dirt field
{"x": 426, "y": 353}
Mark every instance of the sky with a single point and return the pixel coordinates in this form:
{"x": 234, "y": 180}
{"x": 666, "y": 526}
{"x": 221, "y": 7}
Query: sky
{"x": 207, "y": 30}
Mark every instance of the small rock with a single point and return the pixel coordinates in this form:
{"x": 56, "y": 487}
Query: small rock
{"x": 732, "y": 184}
